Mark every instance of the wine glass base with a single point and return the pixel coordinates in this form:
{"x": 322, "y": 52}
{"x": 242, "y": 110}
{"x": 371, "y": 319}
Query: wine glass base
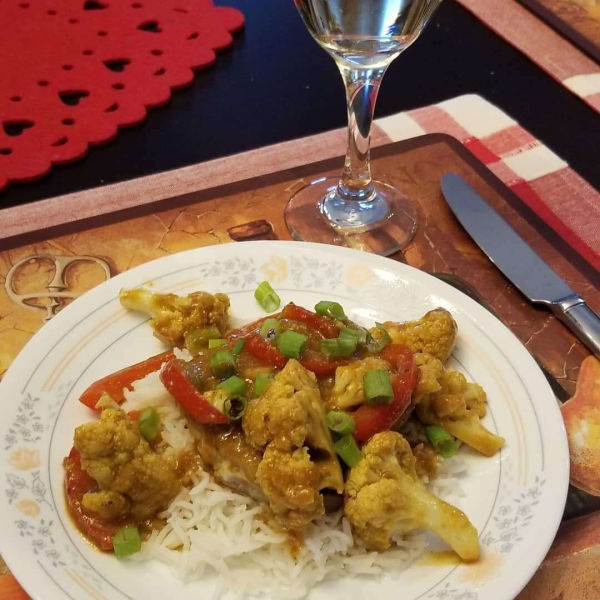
{"x": 315, "y": 214}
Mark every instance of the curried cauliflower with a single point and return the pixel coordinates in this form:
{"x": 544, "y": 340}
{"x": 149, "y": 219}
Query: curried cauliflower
{"x": 458, "y": 407}
{"x": 291, "y": 482}
{"x": 133, "y": 479}
{"x": 384, "y": 497}
{"x": 431, "y": 371}
{"x": 108, "y": 505}
{"x": 288, "y": 423}
{"x": 348, "y": 390}
{"x": 174, "y": 316}
{"x": 434, "y": 333}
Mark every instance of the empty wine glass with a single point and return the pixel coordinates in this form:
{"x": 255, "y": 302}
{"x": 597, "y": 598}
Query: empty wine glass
{"x": 363, "y": 37}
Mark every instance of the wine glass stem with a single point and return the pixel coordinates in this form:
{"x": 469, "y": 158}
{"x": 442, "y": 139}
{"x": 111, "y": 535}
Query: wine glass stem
{"x": 362, "y": 87}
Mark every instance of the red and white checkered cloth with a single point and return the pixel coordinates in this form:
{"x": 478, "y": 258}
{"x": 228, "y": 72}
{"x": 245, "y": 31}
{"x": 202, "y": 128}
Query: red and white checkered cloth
{"x": 540, "y": 43}
{"x": 541, "y": 179}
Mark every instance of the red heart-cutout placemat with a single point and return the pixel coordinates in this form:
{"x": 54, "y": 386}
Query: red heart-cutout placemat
{"x": 74, "y": 71}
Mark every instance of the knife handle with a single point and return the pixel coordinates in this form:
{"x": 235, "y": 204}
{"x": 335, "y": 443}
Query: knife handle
{"x": 581, "y": 320}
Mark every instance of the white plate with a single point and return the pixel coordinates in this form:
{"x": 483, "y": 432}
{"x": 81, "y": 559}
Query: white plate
{"x": 515, "y": 499}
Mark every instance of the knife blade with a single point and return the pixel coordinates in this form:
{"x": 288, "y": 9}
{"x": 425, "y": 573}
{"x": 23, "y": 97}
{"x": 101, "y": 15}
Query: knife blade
{"x": 519, "y": 263}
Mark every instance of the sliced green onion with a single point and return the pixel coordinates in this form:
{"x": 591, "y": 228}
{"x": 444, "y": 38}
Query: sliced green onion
{"x": 199, "y": 338}
{"x": 212, "y": 344}
{"x": 378, "y": 387}
{"x": 338, "y": 347}
{"x": 334, "y": 310}
{"x": 239, "y": 346}
{"x": 267, "y": 297}
{"x": 262, "y": 382}
{"x": 270, "y": 329}
{"x": 222, "y": 364}
{"x": 441, "y": 440}
{"x": 378, "y": 343}
{"x": 340, "y": 422}
{"x": 234, "y": 408}
{"x": 347, "y": 450}
{"x": 351, "y": 334}
{"x": 344, "y": 345}
{"x": 149, "y": 423}
{"x": 291, "y": 343}
{"x": 127, "y": 541}
{"x": 234, "y": 386}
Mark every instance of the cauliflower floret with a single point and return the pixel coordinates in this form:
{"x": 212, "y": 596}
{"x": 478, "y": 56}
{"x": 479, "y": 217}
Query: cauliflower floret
{"x": 288, "y": 422}
{"x": 282, "y": 414}
{"x": 114, "y": 453}
{"x": 431, "y": 371}
{"x": 174, "y": 316}
{"x": 348, "y": 389}
{"x": 109, "y": 506}
{"x": 434, "y": 333}
{"x": 427, "y": 461}
{"x": 458, "y": 407}
{"x": 290, "y": 480}
{"x": 384, "y": 496}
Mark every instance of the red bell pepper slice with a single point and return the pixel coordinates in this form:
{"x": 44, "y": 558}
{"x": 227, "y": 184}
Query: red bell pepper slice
{"x": 188, "y": 397}
{"x": 269, "y": 354}
{"x": 253, "y": 327}
{"x": 328, "y": 328}
{"x": 78, "y": 483}
{"x": 319, "y": 364}
{"x": 115, "y": 383}
{"x": 264, "y": 351}
{"x": 393, "y": 353}
{"x": 373, "y": 418}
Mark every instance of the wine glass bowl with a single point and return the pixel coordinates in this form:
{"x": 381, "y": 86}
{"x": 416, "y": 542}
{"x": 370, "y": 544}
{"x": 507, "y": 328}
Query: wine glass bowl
{"x": 363, "y": 37}
{"x": 366, "y": 33}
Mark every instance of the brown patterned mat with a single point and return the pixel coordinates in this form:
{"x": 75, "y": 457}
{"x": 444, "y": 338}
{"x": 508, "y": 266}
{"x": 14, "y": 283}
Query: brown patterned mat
{"x": 35, "y": 266}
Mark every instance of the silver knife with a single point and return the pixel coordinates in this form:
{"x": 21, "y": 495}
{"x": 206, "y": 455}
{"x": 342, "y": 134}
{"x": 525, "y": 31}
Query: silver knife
{"x": 525, "y": 269}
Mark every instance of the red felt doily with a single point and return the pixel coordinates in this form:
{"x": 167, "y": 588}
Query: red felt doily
{"x": 73, "y": 71}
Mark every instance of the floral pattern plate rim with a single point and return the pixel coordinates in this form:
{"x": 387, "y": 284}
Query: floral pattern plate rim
{"x": 515, "y": 499}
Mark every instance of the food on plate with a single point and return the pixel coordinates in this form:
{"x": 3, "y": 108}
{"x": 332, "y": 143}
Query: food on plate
{"x": 458, "y": 406}
{"x": 321, "y": 433}
{"x": 433, "y": 334}
{"x": 175, "y": 318}
{"x": 384, "y": 496}
{"x": 135, "y": 480}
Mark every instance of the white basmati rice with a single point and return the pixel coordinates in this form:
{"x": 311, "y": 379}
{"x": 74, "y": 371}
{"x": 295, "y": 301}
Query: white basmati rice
{"x": 150, "y": 392}
{"x": 210, "y": 527}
